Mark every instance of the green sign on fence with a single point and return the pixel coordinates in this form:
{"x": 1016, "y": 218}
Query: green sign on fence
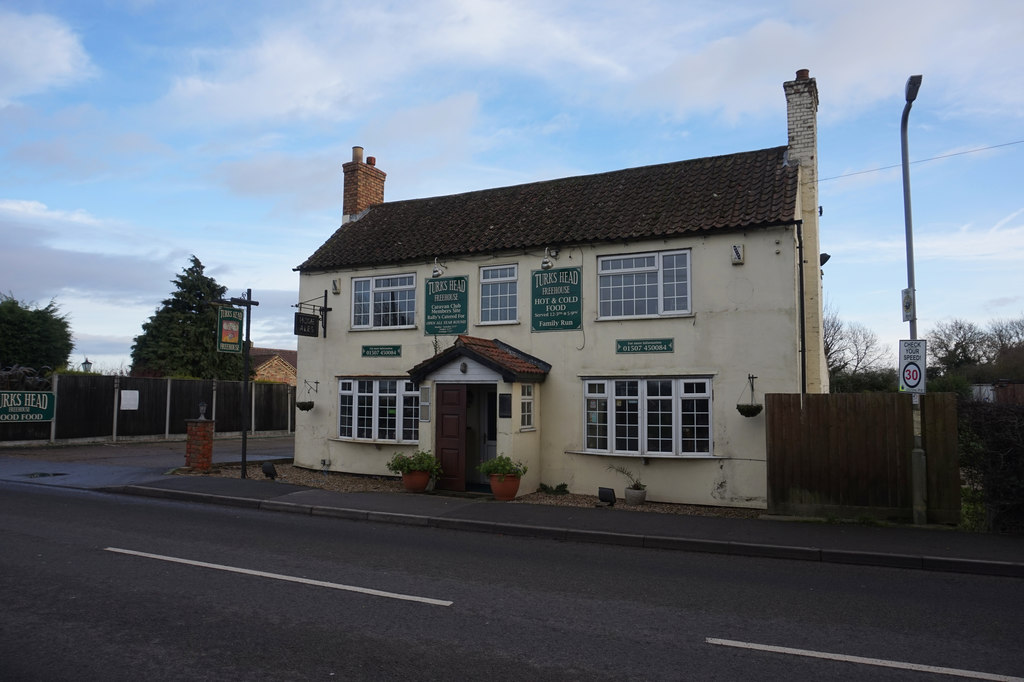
{"x": 447, "y": 305}
{"x": 27, "y": 406}
{"x": 556, "y": 300}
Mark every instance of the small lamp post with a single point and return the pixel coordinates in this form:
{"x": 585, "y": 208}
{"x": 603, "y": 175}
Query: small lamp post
{"x": 87, "y": 366}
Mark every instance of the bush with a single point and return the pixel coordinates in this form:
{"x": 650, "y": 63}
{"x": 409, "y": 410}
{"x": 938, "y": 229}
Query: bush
{"x": 421, "y": 460}
{"x": 503, "y": 466}
{"x": 992, "y": 461}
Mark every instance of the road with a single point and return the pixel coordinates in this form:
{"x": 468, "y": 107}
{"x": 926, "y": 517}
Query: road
{"x": 93, "y": 588}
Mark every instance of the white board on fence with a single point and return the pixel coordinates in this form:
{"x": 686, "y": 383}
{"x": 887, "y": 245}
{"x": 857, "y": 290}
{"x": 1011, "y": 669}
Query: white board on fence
{"x": 129, "y": 400}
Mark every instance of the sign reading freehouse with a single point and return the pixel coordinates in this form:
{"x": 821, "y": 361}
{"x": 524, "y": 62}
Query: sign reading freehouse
{"x": 557, "y": 300}
{"x": 27, "y": 406}
{"x": 446, "y": 306}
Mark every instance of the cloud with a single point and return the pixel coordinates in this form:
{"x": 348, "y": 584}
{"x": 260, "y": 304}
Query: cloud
{"x": 38, "y": 53}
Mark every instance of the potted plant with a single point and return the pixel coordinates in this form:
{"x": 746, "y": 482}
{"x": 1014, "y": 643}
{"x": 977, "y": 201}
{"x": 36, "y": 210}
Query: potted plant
{"x": 636, "y": 491}
{"x": 504, "y": 475}
{"x": 417, "y": 469}
{"x": 304, "y": 405}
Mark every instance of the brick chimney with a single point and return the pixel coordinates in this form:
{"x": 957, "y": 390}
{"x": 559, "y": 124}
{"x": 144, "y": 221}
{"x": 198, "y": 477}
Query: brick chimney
{"x": 802, "y": 118}
{"x": 364, "y": 185}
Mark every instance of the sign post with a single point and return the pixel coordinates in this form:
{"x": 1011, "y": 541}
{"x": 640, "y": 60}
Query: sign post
{"x": 228, "y": 337}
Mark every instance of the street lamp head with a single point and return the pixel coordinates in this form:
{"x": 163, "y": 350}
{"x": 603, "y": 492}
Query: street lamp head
{"x": 913, "y": 85}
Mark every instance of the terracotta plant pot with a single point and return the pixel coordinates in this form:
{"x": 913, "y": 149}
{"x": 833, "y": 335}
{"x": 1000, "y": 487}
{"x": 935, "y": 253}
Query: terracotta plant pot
{"x": 504, "y": 490}
{"x": 416, "y": 481}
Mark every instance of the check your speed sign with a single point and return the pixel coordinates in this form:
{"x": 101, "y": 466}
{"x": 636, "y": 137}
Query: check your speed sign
{"x": 913, "y": 361}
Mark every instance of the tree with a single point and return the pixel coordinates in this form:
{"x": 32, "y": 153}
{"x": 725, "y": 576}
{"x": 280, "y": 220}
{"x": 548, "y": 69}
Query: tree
{"x": 957, "y": 345}
{"x": 180, "y": 339}
{"x": 33, "y": 337}
{"x": 856, "y": 360}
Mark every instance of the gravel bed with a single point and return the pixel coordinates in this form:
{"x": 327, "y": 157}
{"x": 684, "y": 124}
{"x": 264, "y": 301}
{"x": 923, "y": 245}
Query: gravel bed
{"x": 348, "y": 483}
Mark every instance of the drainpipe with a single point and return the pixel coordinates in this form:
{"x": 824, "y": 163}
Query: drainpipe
{"x": 803, "y": 306}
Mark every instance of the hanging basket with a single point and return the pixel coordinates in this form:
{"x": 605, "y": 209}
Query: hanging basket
{"x": 749, "y": 409}
{"x": 304, "y": 405}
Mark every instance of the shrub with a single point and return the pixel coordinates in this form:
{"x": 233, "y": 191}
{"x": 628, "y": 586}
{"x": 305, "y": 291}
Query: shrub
{"x": 421, "y": 460}
{"x": 991, "y": 444}
{"x": 503, "y": 466}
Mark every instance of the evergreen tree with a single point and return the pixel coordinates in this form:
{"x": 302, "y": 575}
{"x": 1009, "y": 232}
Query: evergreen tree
{"x": 33, "y": 337}
{"x": 180, "y": 339}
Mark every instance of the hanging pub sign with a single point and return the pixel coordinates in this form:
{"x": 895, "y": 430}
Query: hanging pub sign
{"x": 307, "y": 324}
{"x": 27, "y": 406}
{"x": 229, "y": 329}
{"x": 447, "y": 306}
{"x": 556, "y": 300}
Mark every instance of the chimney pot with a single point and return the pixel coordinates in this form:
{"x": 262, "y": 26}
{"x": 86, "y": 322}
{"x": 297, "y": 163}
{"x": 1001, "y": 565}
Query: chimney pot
{"x": 803, "y": 74}
{"x": 371, "y": 160}
{"x": 357, "y": 154}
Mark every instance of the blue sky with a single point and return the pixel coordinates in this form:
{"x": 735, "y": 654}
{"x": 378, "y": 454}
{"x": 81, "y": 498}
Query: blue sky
{"x": 134, "y": 134}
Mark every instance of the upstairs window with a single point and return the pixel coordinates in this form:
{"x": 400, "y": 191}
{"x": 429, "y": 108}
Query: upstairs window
{"x": 644, "y": 284}
{"x": 499, "y": 294}
{"x": 382, "y": 302}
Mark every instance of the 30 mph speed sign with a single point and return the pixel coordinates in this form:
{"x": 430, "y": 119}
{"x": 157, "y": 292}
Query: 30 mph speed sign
{"x": 913, "y": 361}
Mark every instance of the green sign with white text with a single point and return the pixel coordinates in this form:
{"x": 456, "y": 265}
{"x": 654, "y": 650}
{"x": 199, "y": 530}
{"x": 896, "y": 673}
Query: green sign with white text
{"x": 447, "y": 306}
{"x": 27, "y": 406}
{"x": 557, "y": 300}
{"x": 645, "y": 345}
{"x": 382, "y": 351}
{"x": 229, "y": 329}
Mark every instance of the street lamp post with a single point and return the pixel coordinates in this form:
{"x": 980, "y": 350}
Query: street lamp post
{"x": 918, "y": 462}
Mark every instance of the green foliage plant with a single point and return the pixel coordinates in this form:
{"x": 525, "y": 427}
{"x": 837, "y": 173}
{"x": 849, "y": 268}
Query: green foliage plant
{"x": 634, "y": 481}
{"x": 991, "y": 448}
{"x": 33, "y": 337}
{"x": 560, "y": 489}
{"x": 503, "y": 466}
{"x": 180, "y": 339}
{"x": 421, "y": 460}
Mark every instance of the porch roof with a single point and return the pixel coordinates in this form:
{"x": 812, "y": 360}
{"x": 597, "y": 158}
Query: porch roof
{"x": 511, "y": 363}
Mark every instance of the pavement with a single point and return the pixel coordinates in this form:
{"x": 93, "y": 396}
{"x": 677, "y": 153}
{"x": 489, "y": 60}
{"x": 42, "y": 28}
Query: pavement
{"x": 143, "y": 468}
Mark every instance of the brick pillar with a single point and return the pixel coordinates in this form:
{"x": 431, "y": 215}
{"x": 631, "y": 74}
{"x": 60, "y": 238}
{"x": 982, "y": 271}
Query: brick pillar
{"x": 199, "y": 444}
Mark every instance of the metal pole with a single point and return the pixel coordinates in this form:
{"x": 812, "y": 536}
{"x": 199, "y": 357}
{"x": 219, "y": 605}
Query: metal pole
{"x": 245, "y": 378}
{"x": 918, "y": 461}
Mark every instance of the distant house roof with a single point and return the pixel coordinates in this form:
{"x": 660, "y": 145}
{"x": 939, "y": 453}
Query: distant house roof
{"x": 510, "y": 363}
{"x": 261, "y": 356}
{"x": 736, "y": 191}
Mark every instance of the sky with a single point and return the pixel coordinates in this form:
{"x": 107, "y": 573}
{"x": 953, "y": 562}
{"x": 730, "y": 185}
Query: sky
{"x": 138, "y": 133}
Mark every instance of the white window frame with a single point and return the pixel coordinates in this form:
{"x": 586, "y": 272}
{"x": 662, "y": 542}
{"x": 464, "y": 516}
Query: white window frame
{"x": 364, "y": 312}
{"x": 608, "y": 273}
{"x": 526, "y": 411}
{"x": 360, "y": 404}
{"x": 610, "y": 403}
{"x": 499, "y": 280}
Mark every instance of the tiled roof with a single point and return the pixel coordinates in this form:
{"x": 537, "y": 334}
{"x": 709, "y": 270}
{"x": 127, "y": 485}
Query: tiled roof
{"x": 737, "y": 191}
{"x": 511, "y": 363}
{"x": 259, "y": 356}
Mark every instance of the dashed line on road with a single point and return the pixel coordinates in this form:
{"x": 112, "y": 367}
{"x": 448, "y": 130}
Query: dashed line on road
{"x": 863, "y": 660}
{"x": 287, "y": 578}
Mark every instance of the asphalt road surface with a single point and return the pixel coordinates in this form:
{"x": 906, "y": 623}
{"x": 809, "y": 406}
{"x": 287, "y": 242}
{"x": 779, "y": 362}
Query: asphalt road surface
{"x": 105, "y": 587}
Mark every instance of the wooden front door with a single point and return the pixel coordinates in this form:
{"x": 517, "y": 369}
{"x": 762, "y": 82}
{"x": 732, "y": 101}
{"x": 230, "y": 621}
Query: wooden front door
{"x": 450, "y": 437}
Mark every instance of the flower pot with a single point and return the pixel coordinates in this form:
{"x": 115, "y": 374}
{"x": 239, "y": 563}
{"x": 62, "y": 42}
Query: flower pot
{"x": 304, "y": 405}
{"x": 635, "y": 497}
{"x": 416, "y": 481}
{"x": 504, "y": 490}
{"x": 749, "y": 409}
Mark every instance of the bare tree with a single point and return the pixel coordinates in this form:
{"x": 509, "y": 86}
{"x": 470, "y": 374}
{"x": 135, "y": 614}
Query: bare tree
{"x": 851, "y": 346}
{"x": 957, "y": 344}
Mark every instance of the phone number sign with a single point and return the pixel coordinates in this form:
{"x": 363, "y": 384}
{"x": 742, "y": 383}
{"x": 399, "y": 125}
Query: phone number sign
{"x": 913, "y": 362}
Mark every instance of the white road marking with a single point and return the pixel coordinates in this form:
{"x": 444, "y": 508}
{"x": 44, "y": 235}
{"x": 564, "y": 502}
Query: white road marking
{"x": 288, "y": 578}
{"x": 864, "y": 661}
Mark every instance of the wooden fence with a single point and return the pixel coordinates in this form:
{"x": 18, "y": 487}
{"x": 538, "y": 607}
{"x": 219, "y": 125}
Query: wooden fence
{"x": 848, "y": 455}
{"x": 96, "y": 407}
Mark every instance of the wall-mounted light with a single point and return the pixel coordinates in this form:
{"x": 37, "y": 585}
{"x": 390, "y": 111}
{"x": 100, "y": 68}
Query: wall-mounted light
{"x": 438, "y": 269}
{"x": 550, "y": 254}
{"x": 824, "y": 258}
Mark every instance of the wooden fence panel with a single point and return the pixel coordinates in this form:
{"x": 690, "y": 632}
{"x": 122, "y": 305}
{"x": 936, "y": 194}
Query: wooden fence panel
{"x": 150, "y": 417}
{"x": 849, "y": 454}
{"x": 85, "y": 406}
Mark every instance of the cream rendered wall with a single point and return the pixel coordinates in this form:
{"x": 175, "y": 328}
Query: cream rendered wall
{"x": 744, "y": 321}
